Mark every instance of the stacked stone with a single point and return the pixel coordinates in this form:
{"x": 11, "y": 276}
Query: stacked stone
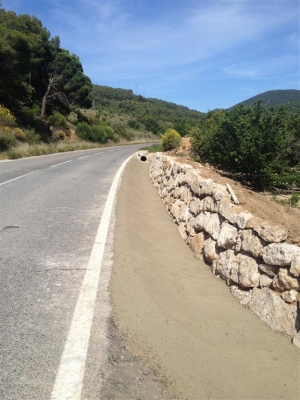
{"x": 250, "y": 254}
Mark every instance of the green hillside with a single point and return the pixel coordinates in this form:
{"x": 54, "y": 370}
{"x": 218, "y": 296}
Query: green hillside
{"x": 154, "y": 114}
{"x": 275, "y": 98}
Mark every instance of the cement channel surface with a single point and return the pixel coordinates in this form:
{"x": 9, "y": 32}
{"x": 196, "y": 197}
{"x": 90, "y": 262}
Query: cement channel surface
{"x": 180, "y": 319}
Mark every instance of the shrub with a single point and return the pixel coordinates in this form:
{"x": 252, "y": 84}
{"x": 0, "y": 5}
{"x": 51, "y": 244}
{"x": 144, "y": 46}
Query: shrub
{"x": 170, "y": 140}
{"x": 294, "y": 199}
{"x": 94, "y": 133}
{"x": 83, "y": 130}
{"x": 72, "y": 117}
{"x": 6, "y": 117}
{"x": 59, "y": 135}
{"x": 18, "y": 134}
{"x": 57, "y": 120}
{"x": 7, "y": 139}
{"x": 32, "y": 137}
{"x": 134, "y": 124}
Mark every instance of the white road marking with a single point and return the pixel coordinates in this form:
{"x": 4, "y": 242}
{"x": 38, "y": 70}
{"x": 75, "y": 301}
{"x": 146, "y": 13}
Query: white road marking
{"x": 79, "y": 158}
{"x": 18, "y": 177}
{"x": 69, "y": 379}
{"x": 56, "y": 165}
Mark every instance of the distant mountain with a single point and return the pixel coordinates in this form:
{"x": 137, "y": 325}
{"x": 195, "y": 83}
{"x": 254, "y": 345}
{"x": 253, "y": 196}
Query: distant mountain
{"x": 275, "y": 98}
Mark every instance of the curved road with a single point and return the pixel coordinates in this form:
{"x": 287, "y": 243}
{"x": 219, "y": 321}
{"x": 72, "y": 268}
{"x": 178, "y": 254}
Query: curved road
{"x": 51, "y": 207}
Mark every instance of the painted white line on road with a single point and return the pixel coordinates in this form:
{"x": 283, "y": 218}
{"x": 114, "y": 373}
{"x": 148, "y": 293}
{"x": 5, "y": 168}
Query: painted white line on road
{"x": 56, "y": 165}
{"x": 69, "y": 379}
{"x": 18, "y": 177}
{"x": 79, "y": 158}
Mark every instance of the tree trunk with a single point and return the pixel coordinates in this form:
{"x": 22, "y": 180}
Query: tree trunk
{"x": 45, "y": 97}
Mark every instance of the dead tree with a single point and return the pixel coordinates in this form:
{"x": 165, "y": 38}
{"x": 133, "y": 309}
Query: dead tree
{"x": 53, "y": 92}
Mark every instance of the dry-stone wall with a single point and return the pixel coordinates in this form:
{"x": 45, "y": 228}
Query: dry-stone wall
{"x": 250, "y": 254}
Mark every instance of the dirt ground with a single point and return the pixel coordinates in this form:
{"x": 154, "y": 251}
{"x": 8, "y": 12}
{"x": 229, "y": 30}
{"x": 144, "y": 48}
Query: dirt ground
{"x": 180, "y": 321}
{"x": 260, "y": 204}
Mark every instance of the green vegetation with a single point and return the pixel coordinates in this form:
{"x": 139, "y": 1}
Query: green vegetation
{"x": 37, "y": 76}
{"x": 259, "y": 144}
{"x": 170, "y": 140}
{"x": 145, "y": 113}
{"x": 292, "y": 200}
{"x": 276, "y": 98}
{"x": 154, "y": 148}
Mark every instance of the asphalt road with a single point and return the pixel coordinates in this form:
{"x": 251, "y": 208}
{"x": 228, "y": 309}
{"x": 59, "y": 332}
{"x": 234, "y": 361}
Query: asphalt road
{"x": 51, "y": 207}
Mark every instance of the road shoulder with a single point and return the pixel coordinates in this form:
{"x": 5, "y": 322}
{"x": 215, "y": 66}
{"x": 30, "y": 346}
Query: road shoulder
{"x": 180, "y": 319}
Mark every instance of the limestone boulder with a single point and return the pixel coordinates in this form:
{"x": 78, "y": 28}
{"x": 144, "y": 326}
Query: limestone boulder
{"x": 265, "y": 281}
{"x": 195, "y": 185}
{"x": 242, "y": 219}
{"x": 210, "y": 250}
{"x": 295, "y": 265}
{"x": 195, "y": 206}
{"x": 208, "y": 204}
{"x": 240, "y": 269}
{"x": 248, "y": 274}
{"x": 228, "y": 236}
{"x": 175, "y": 210}
{"x": 244, "y": 296}
{"x": 196, "y": 244}
{"x": 182, "y": 231}
{"x": 225, "y": 263}
{"x": 229, "y": 211}
{"x": 185, "y": 194}
{"x": 184, "y": 213}
{"x": 190, "y": 227}
{"x": 290, "y": 296}
{"x": 270, "y": 270}
{"x": 281, "y": 254}
{"x": 270, "y": 233}
{"x": 274, "y": 311}
{"x": 251, "y": 243}
{"x": 207, "y": 186}
{"x": 284, "y": 280}
{"x": 210, "y": 222}
{"x": 213, "y": 225}
{"x": 221, "y": 194}
{"x": 296, "y": 339}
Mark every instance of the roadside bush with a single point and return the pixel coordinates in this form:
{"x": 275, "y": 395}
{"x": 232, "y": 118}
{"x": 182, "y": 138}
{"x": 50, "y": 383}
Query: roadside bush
{"x": 57, "y": 120}
{"x": 7, "y": 139}
{"x": 59, "y": 135}
{"x": 32, "y": 137}
{"x": 18, "y": 134}
{"x": 94, "y": 133}
{"x": 170, "y": 140}
{"x": 83, "y": 130}
{"x": 133, "y": 123}
{"x": 6, "y": 117}
{"x": 72, "y": 117}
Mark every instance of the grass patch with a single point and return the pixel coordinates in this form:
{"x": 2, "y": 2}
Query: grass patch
{"x": 154, "y": 148}
{"x": 30, "y": 150}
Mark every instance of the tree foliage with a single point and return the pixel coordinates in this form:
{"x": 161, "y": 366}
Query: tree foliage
{"x": 261, "y": 144}
{"x": 29, "y": 60}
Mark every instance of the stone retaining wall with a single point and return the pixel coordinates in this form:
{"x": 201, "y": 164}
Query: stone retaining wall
{"x": 250, "y": 254}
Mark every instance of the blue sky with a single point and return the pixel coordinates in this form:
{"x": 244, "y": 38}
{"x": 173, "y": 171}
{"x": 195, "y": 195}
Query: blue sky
{"x": 201, "y": 54}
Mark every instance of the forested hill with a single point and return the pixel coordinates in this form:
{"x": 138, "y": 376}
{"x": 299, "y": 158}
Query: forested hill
{"x": 275, "y": 98}
{"x": 155, "y": 114}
